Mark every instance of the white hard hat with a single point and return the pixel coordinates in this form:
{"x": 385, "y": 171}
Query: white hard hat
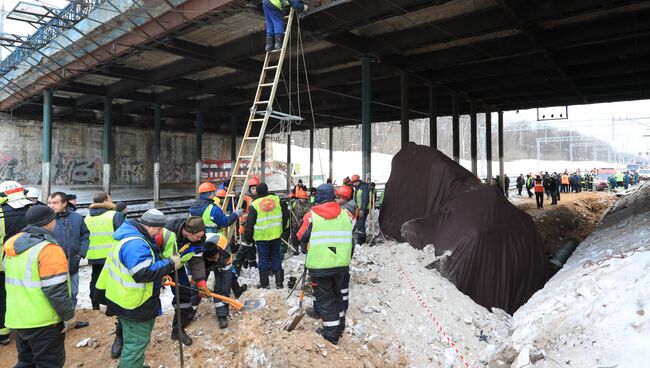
{"x": 33, "y": 193}
{"x": 15, "y": 194}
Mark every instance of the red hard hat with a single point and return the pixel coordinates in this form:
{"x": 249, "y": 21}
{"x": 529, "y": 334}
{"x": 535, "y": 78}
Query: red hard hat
{"x": 207, "y": 187}
{"x": 344, "y": 192}
{"x": 356, "y": 177}
{"x": 254, "y": 181}
{"x": 221, "y": 193}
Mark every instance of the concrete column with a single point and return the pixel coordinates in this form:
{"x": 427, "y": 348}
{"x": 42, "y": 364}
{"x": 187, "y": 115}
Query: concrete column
{"x": 366, "y": 118}
{"x": 156, "y": 153}
{"x": 311, "y": 157}
{"x": 289, "y": 168}
{"x": 488, "y": 146}
{"x": 502, "y": 176}
{"x": 263, "y": 160}
{"x": 331, "y": 131}
{"x": 198, "y": 123}
{"x": 473, "y": 139}
{"x": 404, "y": 121}
{"x": 46, "y": 183}
{"x": 108, "y": 112}
{"x": 433, "y": 116}
{"x": 455, "y": 128}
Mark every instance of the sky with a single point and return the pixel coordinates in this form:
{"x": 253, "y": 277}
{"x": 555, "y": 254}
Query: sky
{"x": 630, "y": 120}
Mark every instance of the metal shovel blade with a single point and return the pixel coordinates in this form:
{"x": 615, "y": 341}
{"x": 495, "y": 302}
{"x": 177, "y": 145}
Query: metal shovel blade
{"x": 252, "y": 305}
{"x": 294, "y": 323}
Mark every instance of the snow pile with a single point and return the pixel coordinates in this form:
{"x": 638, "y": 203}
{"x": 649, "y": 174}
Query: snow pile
{"x": 594, "y": 312}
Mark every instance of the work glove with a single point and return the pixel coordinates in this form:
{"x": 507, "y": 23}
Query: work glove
{"x": 238, "y": 212}
{"x": 202, "y": 285}
{"x": 69, "y": 324}
{"x": 177, "y": 261}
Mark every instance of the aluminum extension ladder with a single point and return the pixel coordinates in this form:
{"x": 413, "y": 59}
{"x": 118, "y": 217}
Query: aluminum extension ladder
{"x": 260, "y": 113}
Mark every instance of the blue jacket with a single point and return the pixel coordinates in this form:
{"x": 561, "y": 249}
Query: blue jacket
{"x": 135, "y": 255}
{"x": 218, "y": 217}
{"x": 72, "y": 235}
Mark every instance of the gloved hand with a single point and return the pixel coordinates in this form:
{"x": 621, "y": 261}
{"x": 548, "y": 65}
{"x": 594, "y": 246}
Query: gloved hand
{"x": 204, "y": 292}
{"x": 177, "y": 261}
{"x": 69, "y": 324}
{"x": 238, "y": 212}
{"x": 306, "y": 7}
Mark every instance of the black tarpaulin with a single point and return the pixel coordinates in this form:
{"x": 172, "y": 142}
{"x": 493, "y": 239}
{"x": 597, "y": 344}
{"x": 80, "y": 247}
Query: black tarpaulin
{"x": 496, "y": 253}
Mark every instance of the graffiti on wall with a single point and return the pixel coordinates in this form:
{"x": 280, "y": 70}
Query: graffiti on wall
{"x": 131, "y": 172}
{"x": 10, "y": 168}
{"x": 76, "y": 170}
{"x": 176, "y": 173}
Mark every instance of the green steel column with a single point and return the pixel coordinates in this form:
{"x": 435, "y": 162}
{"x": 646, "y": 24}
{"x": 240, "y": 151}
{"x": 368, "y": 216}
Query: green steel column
{"x": 289, "y": 168}
{"x": 433, "y": 116}
{"x": 473, "y": 139}
{"x": 108, "y": 112}
{"x": 488, "y": 146}
{"x": 156, "y": 153}
{"x": 198, "y": 123}
{"x": 404, "y": 121}
{"x": 366, "y": 118}
{"x": 311, "y": 157}
{"x": 47, "y": 144}
{"x": 455, "y": 128}
{"x": 331, "y": 136}
{"x": 263, "y": 160}
{"x": 502, "y": 176}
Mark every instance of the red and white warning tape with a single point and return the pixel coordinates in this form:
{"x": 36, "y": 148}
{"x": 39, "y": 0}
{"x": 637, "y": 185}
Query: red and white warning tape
{"x": 430, "y": 313}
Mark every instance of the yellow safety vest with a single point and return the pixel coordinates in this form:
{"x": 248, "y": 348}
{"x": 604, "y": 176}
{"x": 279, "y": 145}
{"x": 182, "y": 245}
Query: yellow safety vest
{"x": 269, "y": 218}
{"x": 330, "y": 243}
{"x": 101, "y": 235}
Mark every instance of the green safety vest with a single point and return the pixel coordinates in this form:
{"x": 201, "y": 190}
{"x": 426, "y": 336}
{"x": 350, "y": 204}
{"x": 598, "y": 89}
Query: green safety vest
{"x": 3, "y": 232}
{"x": 101, "y": 235}
{"x": 28, "y": 306}
{"x": 211, "y": 226}
{"x": 169, "y": 243}
{"x": 359, "y": 197}
{"x": 330, "y": 243}
{"x": 269, "y": 223}
{"x": 120, "y": 286}
{"x": 279, "y": 3}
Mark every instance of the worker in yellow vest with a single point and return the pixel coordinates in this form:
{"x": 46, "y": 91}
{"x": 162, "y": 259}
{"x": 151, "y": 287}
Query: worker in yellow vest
{"x": 273, "y": 12}
{"x": 131, "y": 280}
{"x": 267, "y": 220}
{"x": 38, "y": 287}
{"x": 328, "y": 231}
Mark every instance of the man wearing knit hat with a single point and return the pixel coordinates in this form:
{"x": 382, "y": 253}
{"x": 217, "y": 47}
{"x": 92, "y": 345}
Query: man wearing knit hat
{"x": 130, "y": 283}
{"x": 36, "y": 271}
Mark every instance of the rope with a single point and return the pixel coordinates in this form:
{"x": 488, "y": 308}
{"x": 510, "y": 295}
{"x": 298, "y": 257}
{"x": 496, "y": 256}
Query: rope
{"x": 619, "y": 255}
{"x": 405, "y": 276}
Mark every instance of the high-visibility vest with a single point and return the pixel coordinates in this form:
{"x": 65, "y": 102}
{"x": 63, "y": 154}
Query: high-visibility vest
{"x": 28, "y": 306}
{"x": 565, "y": 180}
{"x": 210, "y": 226}
{"x": 169, "y": 243}
{"x": 359, "y": 197}
{"x": 279, "y": 3}
{"x": 330, "y": 243}
{"x": 539, "y": 186}
{"x": 101, "y": 235}
{"x": 269, "y": 218}
{"x": 118, "y": 283}
{"x": 3, "y": 232}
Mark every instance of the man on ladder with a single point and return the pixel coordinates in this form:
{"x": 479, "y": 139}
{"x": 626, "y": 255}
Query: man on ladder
{"x": 274, "y": 20}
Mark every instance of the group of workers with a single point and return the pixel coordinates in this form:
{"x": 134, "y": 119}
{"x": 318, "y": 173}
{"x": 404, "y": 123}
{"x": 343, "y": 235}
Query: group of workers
{"x": 44, "y": 244}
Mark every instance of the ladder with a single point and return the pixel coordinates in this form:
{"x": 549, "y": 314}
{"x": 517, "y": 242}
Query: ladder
{"x": 260, "y": 113}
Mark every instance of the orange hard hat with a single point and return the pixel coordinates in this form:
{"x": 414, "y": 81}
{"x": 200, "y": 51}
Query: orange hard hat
{"x": 301, "y": 194}
{"x": 207, "y": 187}
{"x": 221, "y": 193}
{"x": 254, "y": 181}
{"x": 356, "y": 177}
{"x": 344, "y": 192}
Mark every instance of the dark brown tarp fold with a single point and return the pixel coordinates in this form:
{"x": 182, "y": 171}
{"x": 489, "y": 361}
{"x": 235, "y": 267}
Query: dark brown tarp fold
{"x": 496, "y": 258}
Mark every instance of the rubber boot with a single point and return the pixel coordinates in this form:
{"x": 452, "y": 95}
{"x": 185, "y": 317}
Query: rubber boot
{"x": 116, "y": 349}
{"x": 185, "y": 339}
{"x": 223, "y": 322}
{"x": 279, "y": 279}
{"x": 264, "y": 280}
{"x": 269, "y": 44}
{"x": 278, "y": 41}
{"x": 240, "y": 290}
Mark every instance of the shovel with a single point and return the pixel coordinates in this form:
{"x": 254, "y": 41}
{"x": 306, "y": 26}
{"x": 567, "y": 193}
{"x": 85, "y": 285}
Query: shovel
{"x": 250, "y": 305}
{"x": 301, "y": 312}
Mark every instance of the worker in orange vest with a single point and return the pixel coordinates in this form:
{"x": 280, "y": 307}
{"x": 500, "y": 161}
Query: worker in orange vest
{"x": 246, "y": 254}
{"x": 539, "y": 191}
{"x": 565, "y": 183}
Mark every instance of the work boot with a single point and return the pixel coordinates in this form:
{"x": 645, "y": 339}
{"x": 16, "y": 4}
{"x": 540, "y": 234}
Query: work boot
{"x": 223, "y": 322}
{"x": 240, "y": 290}
{"x": 292, "y": 282}
{"x": 264, "y": 280}
{"x": 185, "y": 338}
{"x": 252, "y": 264}
{"x": 5, "y": 340}
{"x": 269, "y": 44}
{"x": 279, "y": 279}
{"x": 278, "y": 41}
{"x": 311, "y": 312}
{"x": 116, "y": 349}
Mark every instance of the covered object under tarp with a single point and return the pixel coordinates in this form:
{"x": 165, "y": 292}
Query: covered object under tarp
{"x": 496, "y": 253}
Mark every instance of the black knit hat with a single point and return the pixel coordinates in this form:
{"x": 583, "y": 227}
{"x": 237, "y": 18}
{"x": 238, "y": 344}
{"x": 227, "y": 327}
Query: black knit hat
{"x": 262, "y": 189}
{"x": 39, "y": 216}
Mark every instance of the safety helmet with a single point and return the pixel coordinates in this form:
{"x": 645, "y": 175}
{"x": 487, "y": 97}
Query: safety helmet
{"x": 207, "y": 187}
{"x": 221, "y": 193}
{"x": 344, "y": 192}
{"x": 33, "y": 193}
{"x": 15, "y": 194}
{"x": 355, "y": 178}
{"x": 254, "y": 181}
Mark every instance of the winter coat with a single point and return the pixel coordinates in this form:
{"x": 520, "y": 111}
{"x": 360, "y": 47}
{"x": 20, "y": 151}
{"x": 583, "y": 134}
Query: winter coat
{"x": 252, "y": 219}
{"x": 14, "y": 219}
{"x": 216, "y": 214}
{"x": 196, "y": 264}
{"x": 72, "y": 235}
{"x": 299, "y": 209}
{"x": 520, "y": 181}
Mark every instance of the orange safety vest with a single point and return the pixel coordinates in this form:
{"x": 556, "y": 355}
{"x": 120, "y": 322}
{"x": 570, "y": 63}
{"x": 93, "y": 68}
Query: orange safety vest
{"x": 565, "y": 179}
{"x": 242, "y": 220}
{"x": 539, "y": 186}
